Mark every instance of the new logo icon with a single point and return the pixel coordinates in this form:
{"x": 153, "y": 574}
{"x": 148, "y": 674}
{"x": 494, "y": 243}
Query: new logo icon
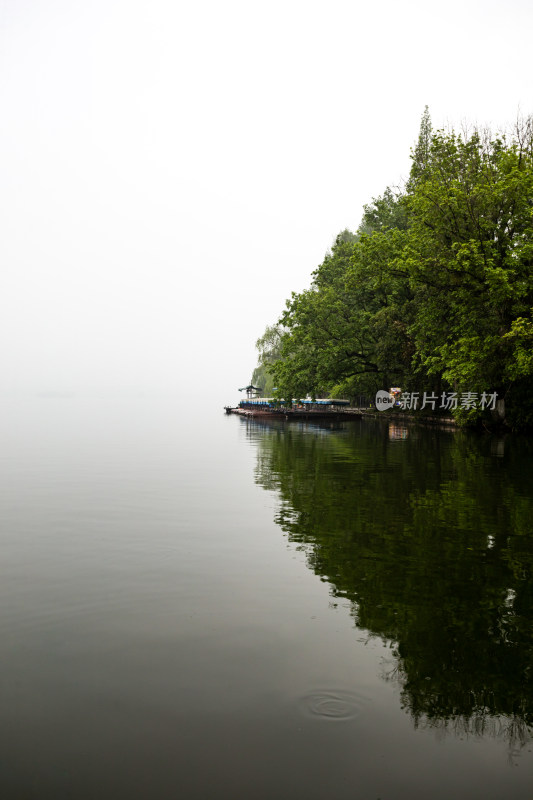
{"x": 384, "y": 400}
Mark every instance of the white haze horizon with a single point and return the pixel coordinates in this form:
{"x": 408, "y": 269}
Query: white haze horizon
{"x": 171, "y": 172}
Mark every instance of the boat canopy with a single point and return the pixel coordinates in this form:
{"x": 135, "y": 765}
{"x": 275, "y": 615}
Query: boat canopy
{"x": 271, "y": 402}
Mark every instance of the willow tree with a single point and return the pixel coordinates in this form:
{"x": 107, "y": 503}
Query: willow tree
{"x": 269, "y": 347}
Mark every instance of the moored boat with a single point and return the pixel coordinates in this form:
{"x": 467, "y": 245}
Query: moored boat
{"x": 310, "y": 408}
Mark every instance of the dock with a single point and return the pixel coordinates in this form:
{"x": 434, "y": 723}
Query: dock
{"x": 308, "y": 409}
{"x": 296, "y": 414}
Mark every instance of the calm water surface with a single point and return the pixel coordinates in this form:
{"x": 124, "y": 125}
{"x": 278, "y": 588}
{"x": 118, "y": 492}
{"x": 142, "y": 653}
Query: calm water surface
{"x": 196, "y": 606}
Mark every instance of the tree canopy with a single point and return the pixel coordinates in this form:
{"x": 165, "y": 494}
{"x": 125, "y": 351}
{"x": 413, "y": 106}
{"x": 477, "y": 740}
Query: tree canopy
{"x": 433, "y": 291}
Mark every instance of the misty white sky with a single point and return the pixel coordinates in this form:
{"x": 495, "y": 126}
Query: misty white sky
{"x": 171, "y": 171}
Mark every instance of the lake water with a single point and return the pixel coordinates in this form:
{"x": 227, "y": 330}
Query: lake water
{"x": 194, "y": 605}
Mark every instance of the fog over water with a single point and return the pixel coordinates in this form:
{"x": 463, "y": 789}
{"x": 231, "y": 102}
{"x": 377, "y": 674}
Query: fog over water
{"x": 192, "y": 605}
{"x": 204, "y": 607}
{"x": 170, "y": 172}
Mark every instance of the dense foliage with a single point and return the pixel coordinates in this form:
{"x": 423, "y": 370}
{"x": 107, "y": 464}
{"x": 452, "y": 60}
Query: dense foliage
{"x": 434, "y": 292}
{"x": 269, "y": 347}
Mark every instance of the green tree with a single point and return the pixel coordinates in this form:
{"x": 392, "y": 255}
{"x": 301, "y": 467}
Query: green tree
{"x": 269, "y": 347}
{"x": 469, "y": 255}
{"x": 435, "y": 289}
{"x": 387, "y": 211}
{"x": 421, "y": 154}
{"x": 325, "y": 343}
{"x": 348, "y": 334}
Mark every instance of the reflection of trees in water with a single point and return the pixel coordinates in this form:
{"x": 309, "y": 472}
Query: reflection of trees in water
{"x": 430, "y": 539}
{"x": 478, "y": 722}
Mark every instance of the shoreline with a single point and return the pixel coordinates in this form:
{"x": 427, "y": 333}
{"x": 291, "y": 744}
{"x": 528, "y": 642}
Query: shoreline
{"x": 353, "y": 413}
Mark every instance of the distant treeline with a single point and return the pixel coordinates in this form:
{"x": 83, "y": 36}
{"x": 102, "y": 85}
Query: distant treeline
{"x": 433, "y": 292}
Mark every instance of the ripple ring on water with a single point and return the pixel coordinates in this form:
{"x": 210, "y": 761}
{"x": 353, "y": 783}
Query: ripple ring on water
{"x": 337, "y": 705}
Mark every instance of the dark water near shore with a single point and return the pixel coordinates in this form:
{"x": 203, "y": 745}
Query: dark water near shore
{"x": 200, "y": 606}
